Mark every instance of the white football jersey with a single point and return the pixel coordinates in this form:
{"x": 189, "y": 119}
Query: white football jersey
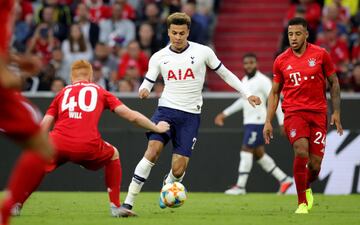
{"x": 183, "y": 74}
{"x": 259, "y": 85}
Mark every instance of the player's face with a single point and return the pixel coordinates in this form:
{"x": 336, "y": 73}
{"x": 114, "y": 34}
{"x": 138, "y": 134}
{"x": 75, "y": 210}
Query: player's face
{"x": 250, "y": 65}
{"x": 178, "y": 35}
{"x": 297, "y": 37}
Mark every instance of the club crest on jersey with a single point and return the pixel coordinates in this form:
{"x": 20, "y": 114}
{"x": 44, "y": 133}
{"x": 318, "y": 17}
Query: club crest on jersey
{"x": 312, "y": 62}
{"x": 292, "y": 133}
{"x": 179, "y": 75}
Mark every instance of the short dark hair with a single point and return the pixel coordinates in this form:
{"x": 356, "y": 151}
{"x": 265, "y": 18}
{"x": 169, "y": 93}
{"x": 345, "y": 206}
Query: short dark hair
{"x": 250, "y": 55}
{"x": 298, "y": 21}
{"x": 178, "y": 19}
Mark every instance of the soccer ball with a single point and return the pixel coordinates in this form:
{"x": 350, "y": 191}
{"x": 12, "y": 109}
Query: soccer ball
{"x": 173, "y": 194}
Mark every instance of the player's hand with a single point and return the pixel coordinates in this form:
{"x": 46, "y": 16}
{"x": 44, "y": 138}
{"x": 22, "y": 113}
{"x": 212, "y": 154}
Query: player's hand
{"x": 219, "y": 119}
{"x": 29, "y": 64}
{"x": 254, "y": 100}
{"x": 268, "y": 132}
{"x": 162, "y": 127}
{"x": 335, "y": 119}
{"x": 144, "y": 93}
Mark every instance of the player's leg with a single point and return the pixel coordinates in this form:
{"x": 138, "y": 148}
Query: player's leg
{"x": 113, "y": 175}
{"x": 298, "y": 132}
{"x": 244, "y": 169}
{"x": 30, "y": 167}
{"x": 317, "y": 141}
{"x": 268, "y": 165}
{"x": 142, "y": 171}
{"x": 179, "y": 164}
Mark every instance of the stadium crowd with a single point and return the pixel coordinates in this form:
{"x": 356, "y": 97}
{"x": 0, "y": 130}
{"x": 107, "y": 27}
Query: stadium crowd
{"x": 116, "y": 36}
{"x": 119, "y": 36}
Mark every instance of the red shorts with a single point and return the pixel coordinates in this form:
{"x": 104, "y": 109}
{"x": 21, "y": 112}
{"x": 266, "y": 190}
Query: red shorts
{"x": 310, "y": 125}
{"x": 92, "y": 157}
{"x": 19, "y": 119}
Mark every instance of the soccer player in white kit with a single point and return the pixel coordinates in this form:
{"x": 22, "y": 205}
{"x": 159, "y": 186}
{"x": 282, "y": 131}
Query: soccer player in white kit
{"x": 254, "y": 120}
{"x": 183, "y": 67}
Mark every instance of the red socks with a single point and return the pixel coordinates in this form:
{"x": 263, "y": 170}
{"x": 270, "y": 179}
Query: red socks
{"x": 113, "y": 176}
{"x": 311, "y": 177}
{"x": 300, "y": 176}
{"x": 25, "y": 178}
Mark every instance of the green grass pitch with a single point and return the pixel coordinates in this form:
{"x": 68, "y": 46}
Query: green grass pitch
{"x": 91, "y": 208}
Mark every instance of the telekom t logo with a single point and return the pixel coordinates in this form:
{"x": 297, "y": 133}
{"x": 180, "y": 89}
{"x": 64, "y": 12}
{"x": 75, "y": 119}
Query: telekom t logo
{"x": 295, "y": 77}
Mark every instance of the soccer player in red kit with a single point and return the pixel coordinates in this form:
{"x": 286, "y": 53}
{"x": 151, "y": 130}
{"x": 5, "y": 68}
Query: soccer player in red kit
{"x": 75, "y": 113}
{"x": 19, "y": 121}
{"x": 301, "y": 73}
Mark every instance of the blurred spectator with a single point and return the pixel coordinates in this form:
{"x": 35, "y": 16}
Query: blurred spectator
{"x": 57, "y": 85}
{"x": 132, "y": 74}
{"x": 90, "y": 30}
{"x": 117, "y": 31}
{"x": 42, "y": 43}
{"x": 342, "y": 13}
{"x": 61, "y": 13}
{"x": 152, "y": 16}
{"x": 22, "y": 30}
{"x": 27, "y": 12}
{"x": 147, "y": 40}
{"x": 198, "y": 33}
{"x": 75, "y": 47}
{"x": 338, "y": 50}
{"x": 284, "y": 44}
{"x": 43, "y": 81}
{"x": 312, "y": 13}
{"x": 59, "y": 65}
{"x": 331, "y": 17}
{"x": 128, "y": 10}
{"x": 98, "y": 10}
{"x": 133, "y": 57}
{"x": 355, "y": 78}
{"x": 98, "y": 77}
{"x": 58, "y": 29}
{"x": 125, "y": 85}
{"x": 168, "y": 7}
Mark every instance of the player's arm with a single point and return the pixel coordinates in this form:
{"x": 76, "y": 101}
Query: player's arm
{"x": 47, "y": 122}
{"x": 150, "y": 77}
{"x": 273, "y": 101}
{"x": 141, "y": 120}
{"x": 335, "y": 101}
{"x": 233, "y": 108}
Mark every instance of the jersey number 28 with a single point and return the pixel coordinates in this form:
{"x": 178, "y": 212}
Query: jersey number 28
{"x": 70, "y": 103}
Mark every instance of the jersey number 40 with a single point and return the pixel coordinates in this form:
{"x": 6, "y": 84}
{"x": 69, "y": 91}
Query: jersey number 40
{"x": 70, "y": 103}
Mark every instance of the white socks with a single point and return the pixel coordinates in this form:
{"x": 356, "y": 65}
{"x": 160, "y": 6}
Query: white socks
{"x": 142, "y": 172}
{"x": 170, "y": 178}
{"x": 246, "y": 162}
{"x": 268, "y": 164}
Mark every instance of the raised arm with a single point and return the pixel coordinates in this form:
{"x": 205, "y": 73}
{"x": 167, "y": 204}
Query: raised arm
{"x": 335, "y": 101}
{"x": 273, "y": 101}
{"x": 141, "y": 120}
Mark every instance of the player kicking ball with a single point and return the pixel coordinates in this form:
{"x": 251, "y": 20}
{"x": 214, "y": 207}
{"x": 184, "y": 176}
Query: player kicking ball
{"x": 183, "y": 67}
{"x": 254, "y": 119}
{"x": 74, "y": 114}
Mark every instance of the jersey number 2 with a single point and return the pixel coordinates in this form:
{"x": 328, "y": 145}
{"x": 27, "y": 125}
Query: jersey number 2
{"x": 70, "y": 103}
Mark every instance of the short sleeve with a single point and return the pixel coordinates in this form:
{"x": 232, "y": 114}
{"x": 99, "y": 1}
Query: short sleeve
{"x": 212, "y": 60}
{"x": 328, "y": 65}
{"x": 277, "y": 74}
{"x": 54, "y": 106}
{"x": 154, "y": 68}
{"x": 111, "y": 101}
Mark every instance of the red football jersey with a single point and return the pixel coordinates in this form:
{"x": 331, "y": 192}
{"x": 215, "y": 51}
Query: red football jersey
{"x": 6, "y": 22}
{"x": 77, "y": 110}
{"x": 304, "y": 78}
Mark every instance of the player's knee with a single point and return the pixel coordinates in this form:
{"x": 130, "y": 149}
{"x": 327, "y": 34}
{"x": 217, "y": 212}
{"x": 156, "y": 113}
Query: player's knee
{"x": 301, "y": 148}
{"x": 115, "y": 155}
{"x": 152, "y": 155}
{"x": 178, "y": 171}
